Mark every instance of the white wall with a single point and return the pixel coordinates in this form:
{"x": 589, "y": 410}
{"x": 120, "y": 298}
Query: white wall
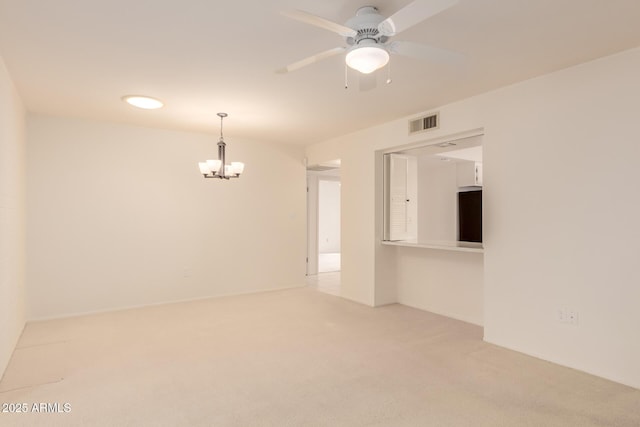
{"x": 12, "y": 217}
{"x": 560, "y": 217}
{"x": 434, "y": 280}
{"x": 437, "y": 198}
{"x": 119, "y": 216}
{"x": 442, "y": 283}
{"x": 328, "y": 216}
{"x": 361, "y": 230}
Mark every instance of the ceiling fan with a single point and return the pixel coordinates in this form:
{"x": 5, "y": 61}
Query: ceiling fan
{"x": 368, "y": 36}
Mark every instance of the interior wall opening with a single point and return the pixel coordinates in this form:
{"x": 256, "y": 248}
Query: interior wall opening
{"x": 433, "y": 193}
{"x": 323, "y": 226}
{"x": 328, "y": 224}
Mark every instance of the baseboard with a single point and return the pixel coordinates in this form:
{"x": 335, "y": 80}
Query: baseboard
{"x": 155, "y": 304}
{"x": 621, "y": 381}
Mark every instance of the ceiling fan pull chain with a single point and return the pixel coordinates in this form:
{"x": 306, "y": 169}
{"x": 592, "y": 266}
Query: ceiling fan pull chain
{"x": 346, "y": 83}
{"x": 389, "y": 74}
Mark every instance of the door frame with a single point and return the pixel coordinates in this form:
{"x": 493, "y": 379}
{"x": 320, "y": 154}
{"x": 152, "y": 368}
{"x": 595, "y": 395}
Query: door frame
{"x": 313, "y": 206}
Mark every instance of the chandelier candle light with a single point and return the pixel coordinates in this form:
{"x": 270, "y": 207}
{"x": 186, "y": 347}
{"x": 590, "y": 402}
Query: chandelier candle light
{"x": 218, "y": 168}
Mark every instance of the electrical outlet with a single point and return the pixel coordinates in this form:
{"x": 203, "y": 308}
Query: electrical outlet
{"x": 567, "y": 315}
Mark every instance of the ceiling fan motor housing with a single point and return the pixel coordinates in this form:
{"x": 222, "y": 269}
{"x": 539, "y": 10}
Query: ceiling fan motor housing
{"x": 365, "y": 23}
{"x": 368, "y": 36}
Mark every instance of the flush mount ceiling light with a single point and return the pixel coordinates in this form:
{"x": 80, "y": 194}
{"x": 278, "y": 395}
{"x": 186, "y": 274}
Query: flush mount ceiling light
{"x": 144, "y": 102}
{"x": 367, "y": 56}
{"x": 218, "y": 168}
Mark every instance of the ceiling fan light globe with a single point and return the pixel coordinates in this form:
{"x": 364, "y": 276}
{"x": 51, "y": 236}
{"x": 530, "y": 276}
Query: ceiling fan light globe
{"x": 367, "y": 59}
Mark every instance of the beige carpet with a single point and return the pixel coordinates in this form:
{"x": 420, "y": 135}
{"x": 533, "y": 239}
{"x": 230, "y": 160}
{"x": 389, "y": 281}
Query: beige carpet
{"x": 293, "y": 358}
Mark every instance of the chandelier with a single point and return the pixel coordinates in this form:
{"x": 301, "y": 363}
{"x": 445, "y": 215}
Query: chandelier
{"x": 218, "y": 168}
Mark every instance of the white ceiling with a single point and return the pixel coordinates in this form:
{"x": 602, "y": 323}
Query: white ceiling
{"x": 78, "y": 57}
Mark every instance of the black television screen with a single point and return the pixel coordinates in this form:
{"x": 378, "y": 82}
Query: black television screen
{"x": 470, "y": 216}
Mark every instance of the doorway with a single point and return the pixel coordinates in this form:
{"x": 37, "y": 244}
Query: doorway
{"x": 328, "y": 224}
{"x": 323, "y": 226}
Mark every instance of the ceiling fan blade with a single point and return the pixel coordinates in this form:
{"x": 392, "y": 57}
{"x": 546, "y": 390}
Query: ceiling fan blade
{"x": 308, "y": 18}
{"x": 428, "y": 53}
{"x": 310, "y": 60}
{"x": 413, "y": 13}
{"x": 367, "y": 82}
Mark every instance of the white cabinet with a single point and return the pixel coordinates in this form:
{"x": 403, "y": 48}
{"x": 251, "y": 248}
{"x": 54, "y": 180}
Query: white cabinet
{"x": 469, "y": 174}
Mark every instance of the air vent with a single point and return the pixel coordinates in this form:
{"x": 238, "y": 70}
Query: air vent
{"x": 424, "y": 123}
